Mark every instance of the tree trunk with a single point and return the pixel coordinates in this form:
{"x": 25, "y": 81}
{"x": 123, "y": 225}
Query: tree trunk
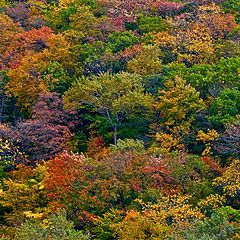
{"x": 115, "y": 135}
{"x": 1, "y": 108}
{"x": 114, "y": 125}
{"x": 121, "y": 199}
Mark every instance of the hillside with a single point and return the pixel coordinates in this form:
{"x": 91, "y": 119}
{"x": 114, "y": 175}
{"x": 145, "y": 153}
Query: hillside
{"x": 119, "y": 119}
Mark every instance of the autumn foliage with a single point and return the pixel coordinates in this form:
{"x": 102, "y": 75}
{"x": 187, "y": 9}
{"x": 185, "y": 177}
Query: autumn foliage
{"x": 119, "y": 119}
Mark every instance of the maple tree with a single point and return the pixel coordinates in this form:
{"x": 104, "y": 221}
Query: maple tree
{"x": 8, "y": 31}
{"x": 35, "y": 78}
{"x": 25, "y": 43}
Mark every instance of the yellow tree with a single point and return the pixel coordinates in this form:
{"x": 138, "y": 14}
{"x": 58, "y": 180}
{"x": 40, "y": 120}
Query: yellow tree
{"x": 178, "y": 105}
{"x": 165, "y": 39}
{"x": 23, "y": 193}
{"x": 195, "y": 45}
{"x": 84, "y": 22}
{"x": 207, "y": 138}
{"x": 146, "y": 62}
{"x": 158, "y": 220}
{"x": 8, "y": 29}
{"x": 230, "y": 180}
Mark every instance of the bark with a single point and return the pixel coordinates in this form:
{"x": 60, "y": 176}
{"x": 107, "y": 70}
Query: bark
{"x": 115, "y": 135}
{"x": 121, "y": 199}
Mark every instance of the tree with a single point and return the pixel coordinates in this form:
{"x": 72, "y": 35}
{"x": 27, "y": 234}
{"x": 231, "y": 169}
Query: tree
{"x": 219, "y": 226}
{"x": 225, "y": 107}
{"x": 55, "y": 227}
{"x": 87, "y": 187}
{"x": 20, "y": 13}
{"x": 22, "y": 192}
{"x": 10, "y": 152}
{"x": 42, "y": 141}
{"x": 84, "y": 22}
{"x": 191, "y": 174}
{"x": 228, "y": 143}
{"x": 157, "y": 220}
{"x": 167, "y": 8}
{"x": 232, "y": 6}
{"x": 195, "y": 45}
{"x": 220, "y": 25}
{"x": 9, "y": 112}
{"x": 133, "y": 173}
{"x": 119, "y": 41}
{"x": 49, "y": 109}
{"x": 226, "y": 73}
{"x": 146, "y": 62}
{"x": 8, "y": 29}
{"x": 178, "y": 106}
{"x": 229, "y": 181}
{"x": 114, "y": 96}
{"x": 212, "y": 80}
{"x": 227, "y": 49}
{"x": 48, "y": 132}
{"x": 27, "y": 86}
{"x": 148, "y": 24}
{"x": 23, "y": 44}
{"x": 38, "y": 73}
{"x": 207, "y": 138}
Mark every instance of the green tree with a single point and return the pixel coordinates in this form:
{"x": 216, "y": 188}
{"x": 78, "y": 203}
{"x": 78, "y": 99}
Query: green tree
{"x": 232, "y": 6}
{"x": 220, "y": 226}
{"x": 225, "y": 107}
{"x": 114, "y": 96}
{"x": 55, "y": 227}
{"x": 148, "y": 24}
{"x": 226, "y": 72}
{"x": 118, "y": 41}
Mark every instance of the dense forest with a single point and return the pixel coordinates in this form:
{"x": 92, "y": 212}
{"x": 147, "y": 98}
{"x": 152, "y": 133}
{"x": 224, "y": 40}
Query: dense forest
{"x": 120, "y": 119}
